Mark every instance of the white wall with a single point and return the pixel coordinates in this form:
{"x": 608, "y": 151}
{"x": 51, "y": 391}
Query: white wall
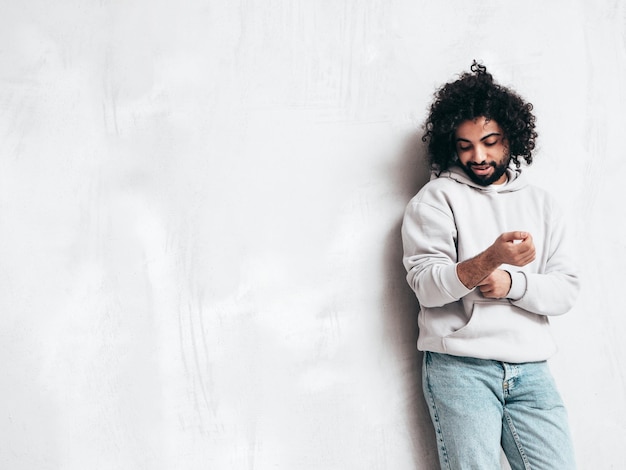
{"x": 199, "y": 224}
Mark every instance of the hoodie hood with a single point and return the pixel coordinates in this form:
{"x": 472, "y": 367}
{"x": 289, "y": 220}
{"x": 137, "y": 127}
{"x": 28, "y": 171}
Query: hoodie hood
{"x": 516, "y": 180}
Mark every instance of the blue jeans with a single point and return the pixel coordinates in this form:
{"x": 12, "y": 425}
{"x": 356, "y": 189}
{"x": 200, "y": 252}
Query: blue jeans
{"x": 478, "y": 406}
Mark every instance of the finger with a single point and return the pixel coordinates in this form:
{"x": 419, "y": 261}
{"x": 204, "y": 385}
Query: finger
{"x": 526, "y": 251}
{"x": 527, "y": 259}
{"x": 525, "y": 247}
{"x": 512, "y": 236}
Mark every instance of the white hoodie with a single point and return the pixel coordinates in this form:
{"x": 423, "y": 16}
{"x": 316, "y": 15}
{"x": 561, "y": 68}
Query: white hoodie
{"x": 452, "y": 219}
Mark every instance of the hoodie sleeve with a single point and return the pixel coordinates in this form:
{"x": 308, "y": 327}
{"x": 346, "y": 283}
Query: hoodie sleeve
{"x": 430, "y": 258}
{"x": 553, "y": 290}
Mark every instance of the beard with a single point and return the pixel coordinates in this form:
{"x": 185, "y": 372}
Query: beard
{"x": 498, "y": 170}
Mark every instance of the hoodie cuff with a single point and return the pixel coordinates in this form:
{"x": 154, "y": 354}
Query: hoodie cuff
{"x": 452, "y": 284}
{"x": 518, "y": 285}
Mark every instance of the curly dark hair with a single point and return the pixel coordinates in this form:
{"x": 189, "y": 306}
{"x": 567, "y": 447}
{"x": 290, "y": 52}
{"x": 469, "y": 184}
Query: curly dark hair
{"x": 476, "y": 95}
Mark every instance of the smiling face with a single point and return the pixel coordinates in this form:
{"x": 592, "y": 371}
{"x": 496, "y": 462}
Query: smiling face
{"x": 483, "y": 151}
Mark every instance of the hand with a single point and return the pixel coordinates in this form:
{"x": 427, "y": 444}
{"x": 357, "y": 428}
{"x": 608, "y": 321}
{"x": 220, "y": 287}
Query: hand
{"x": 496, "y": 286}
{"x": 514, "y": 248}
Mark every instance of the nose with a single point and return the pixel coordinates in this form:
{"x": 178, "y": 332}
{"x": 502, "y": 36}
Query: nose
{"x": 479, "y": 154}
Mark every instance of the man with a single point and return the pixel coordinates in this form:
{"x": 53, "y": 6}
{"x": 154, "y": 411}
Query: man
{"x": 487, "y": 256}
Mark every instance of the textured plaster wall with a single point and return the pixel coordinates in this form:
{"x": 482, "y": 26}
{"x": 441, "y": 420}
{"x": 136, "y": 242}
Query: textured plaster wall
{"x": 199, "y": 224}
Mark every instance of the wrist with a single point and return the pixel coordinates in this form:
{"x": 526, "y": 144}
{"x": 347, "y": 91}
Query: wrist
{"x": 472, "y": 271}
{"x": 491, "y": 257}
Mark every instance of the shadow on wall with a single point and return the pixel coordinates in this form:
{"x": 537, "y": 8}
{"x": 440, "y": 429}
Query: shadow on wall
{"x": 409, "y": 174}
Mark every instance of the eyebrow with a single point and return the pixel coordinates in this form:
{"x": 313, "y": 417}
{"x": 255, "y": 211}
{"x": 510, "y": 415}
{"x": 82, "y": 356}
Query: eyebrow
{"x": 481, "y": 139}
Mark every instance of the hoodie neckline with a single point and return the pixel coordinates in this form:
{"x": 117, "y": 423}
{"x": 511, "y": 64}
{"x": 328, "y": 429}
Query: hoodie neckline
{"x": 515, "y": 182}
